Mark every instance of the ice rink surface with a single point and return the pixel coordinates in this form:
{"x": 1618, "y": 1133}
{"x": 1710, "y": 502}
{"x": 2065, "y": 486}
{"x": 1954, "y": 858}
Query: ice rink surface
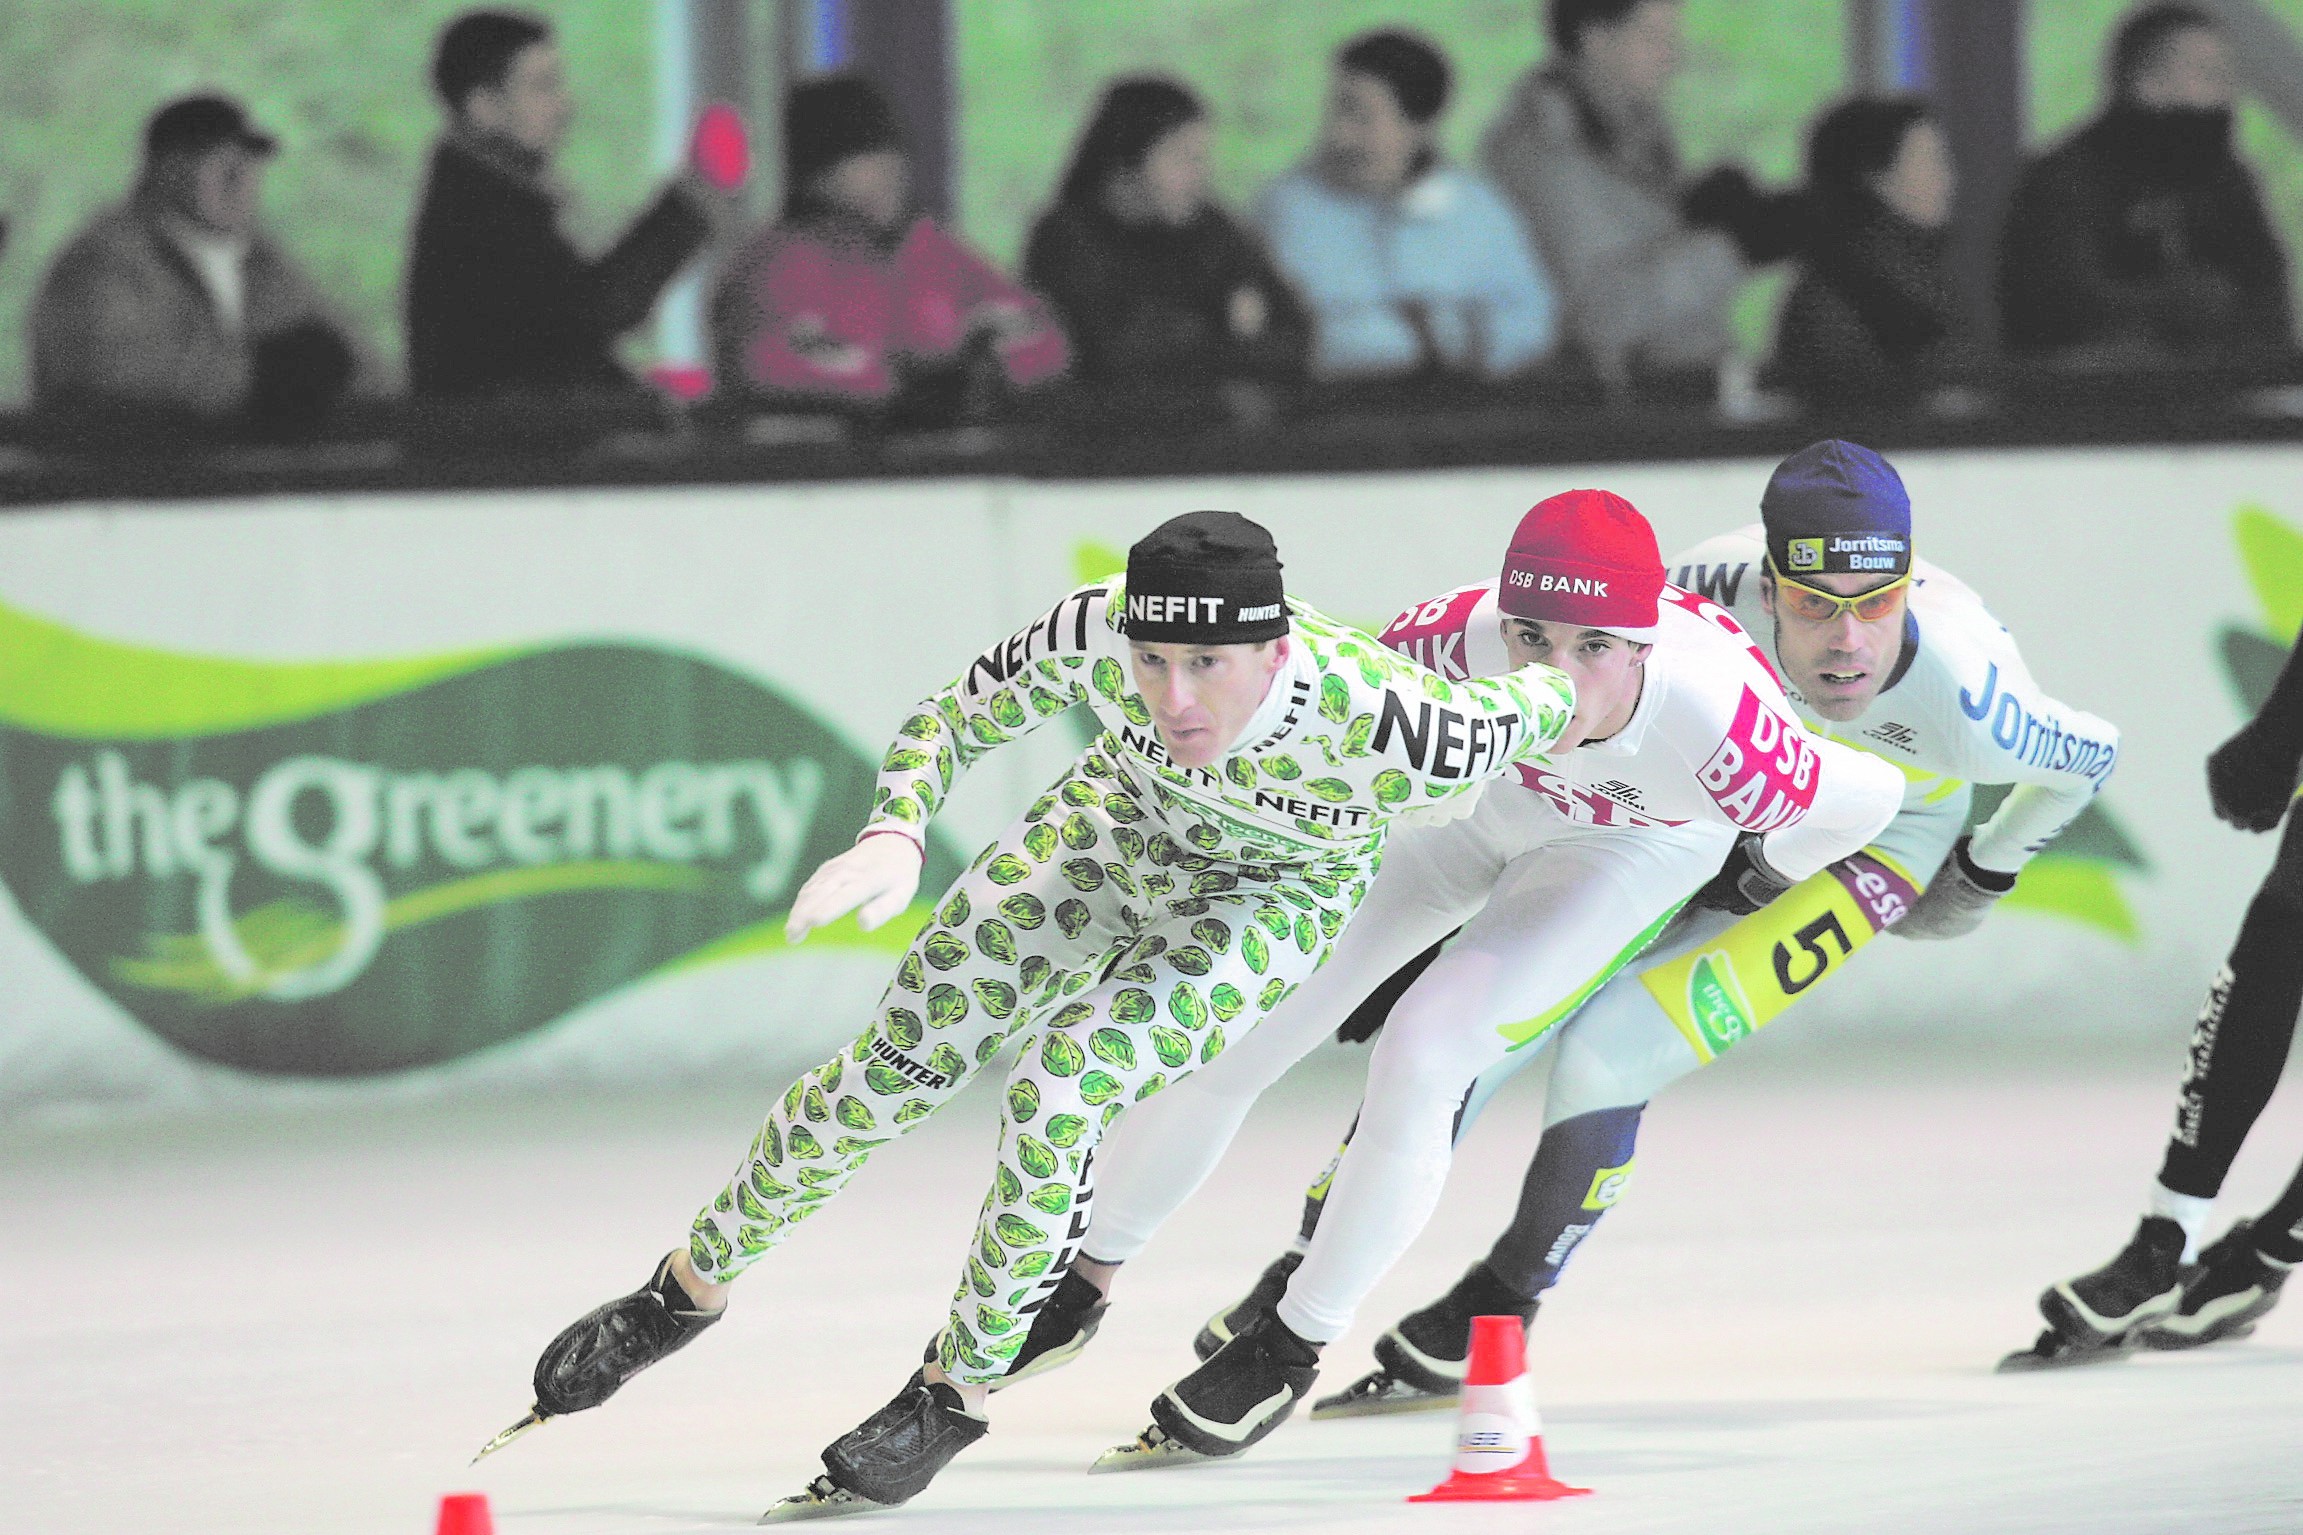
{"x": 306, "y": 1320}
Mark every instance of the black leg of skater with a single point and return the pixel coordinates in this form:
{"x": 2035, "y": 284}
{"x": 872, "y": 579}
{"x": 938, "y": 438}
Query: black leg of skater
{"x": 1572, "y": 1181}
{"x": 2149, "y": 1293}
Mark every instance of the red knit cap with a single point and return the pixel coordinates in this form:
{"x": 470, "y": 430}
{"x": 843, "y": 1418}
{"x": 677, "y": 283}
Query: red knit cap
{"x": 1584, "y": 557}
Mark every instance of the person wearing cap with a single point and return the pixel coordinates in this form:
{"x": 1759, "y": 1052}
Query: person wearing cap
{"x": 1682, "y": 743}
{"x": 1408, "y": 263}
{"x": 1191, "y": 868}
{"x": 1881, "y": 654}
{"x": 855, "y": 295}
{"x": 176, "y": 303}
{"x": 498, "y": 299}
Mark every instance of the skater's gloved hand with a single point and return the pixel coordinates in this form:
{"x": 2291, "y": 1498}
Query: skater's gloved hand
{"x": 1957, "y": 902}
{"x": 1440, "y": 812}
{"x": 1746, "y": 882}
{"x": 2250, "y": 786}
{"x": 875, "y": 879}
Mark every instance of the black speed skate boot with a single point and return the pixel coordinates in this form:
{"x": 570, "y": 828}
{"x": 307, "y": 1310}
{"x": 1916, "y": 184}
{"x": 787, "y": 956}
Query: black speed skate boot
{"x": 1260, "y": 1300}
{"x": 890, "y": 1457}
{"x": 2097, "y": 1315}
{"x": 608, "y": 1345}
{"x": 2234, "y": 1284}
{"x": 1229, "y": 1403}
{"x": 1061, "y": 1328}
{"x": 1420, "y": 1362}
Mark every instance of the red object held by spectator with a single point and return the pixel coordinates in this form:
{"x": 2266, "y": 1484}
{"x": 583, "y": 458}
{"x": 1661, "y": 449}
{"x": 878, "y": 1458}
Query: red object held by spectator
{"x": 721, "y": 150}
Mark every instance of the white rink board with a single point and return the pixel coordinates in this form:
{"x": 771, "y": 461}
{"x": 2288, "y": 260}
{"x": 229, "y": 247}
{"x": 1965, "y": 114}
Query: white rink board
{"x": 2115, "y": 569}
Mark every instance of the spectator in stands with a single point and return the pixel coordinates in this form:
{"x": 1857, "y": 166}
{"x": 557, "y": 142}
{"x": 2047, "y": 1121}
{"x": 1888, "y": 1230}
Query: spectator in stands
{"x": 854, "y": 295}
{"x": 1408, "y": 263}
{"x": 177, "y": 305}
{"x": 2142, "y": 236}
{"x": 1151, "y": 279}
{"x": 498, "y": 300}
{"x": 1873, "y": 314}
{"x": 1648, "y": 264}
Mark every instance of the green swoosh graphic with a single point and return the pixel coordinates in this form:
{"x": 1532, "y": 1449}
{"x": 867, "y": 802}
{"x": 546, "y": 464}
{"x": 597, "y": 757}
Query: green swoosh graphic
{"x": 2272, "y": 554}
{"x": 288, "y": 935}
{"x": 2077, "y": 890}
{"x": 433, "y": 902}
{"x": 767, "y": 937}
{"x": 61, "y": 682}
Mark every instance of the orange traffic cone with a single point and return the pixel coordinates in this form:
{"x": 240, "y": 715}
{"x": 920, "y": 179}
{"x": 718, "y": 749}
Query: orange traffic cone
{"x": 1498, "y": 1437}
{"x": 465, "y": 1513}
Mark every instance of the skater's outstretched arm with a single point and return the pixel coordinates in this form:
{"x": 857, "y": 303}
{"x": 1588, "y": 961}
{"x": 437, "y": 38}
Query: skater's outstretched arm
{"x": 1008, "y": 691}
{"x": 2057, "y": 758}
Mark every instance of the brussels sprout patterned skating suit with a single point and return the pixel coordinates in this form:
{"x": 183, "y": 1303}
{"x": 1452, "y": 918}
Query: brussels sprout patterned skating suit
{"x": 1134, "y": 918}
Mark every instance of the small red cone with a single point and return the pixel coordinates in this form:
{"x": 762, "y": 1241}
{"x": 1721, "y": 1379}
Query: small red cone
{"x": 1498, "y": 1436}
{"x": 465, "y": 1513}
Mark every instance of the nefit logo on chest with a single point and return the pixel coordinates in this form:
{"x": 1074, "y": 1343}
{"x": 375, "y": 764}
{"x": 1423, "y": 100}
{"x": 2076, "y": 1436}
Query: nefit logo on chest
{"x": 1446, "y": 743}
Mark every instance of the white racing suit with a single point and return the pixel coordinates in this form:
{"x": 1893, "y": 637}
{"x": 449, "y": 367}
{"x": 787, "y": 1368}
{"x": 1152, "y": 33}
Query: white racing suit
{"x": 1960, "y": 708}
{"x": 1135, "y": 921}
{"x": 1556, "y": 882}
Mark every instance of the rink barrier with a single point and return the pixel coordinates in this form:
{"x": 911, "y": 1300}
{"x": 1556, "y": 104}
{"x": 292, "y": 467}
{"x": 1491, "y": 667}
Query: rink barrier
{"x": 516, "y": 787}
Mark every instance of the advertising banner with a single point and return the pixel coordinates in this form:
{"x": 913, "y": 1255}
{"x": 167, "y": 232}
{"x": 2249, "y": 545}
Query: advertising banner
{"x": 518, "y": 787}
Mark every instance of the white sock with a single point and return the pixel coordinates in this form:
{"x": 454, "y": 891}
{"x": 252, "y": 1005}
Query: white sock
{"x": 2186, "y": 1210}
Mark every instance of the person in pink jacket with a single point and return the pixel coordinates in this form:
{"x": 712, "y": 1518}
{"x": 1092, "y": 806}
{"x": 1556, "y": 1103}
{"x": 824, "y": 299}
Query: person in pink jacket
{"x": 856, "y": 296}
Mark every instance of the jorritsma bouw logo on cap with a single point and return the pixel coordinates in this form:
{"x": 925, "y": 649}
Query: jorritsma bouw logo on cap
{"x": 1837, "y": 508}
{"x": 346, "y": 867}
{"x": 1839, "y": 555}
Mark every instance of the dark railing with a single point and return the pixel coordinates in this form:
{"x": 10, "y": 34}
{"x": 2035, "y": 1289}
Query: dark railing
{"x": 1083, "y": 433}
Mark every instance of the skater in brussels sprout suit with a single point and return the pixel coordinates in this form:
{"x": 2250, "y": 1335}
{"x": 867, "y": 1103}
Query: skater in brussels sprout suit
{"x": 1188, "y": 871}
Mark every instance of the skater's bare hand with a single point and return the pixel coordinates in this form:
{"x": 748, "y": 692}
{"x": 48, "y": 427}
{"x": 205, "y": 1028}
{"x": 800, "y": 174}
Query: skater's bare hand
{"x": 875, "y": 879}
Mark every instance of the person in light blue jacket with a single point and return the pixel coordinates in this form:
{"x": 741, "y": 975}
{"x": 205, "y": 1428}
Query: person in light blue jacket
{"x": 1408, "y": 263}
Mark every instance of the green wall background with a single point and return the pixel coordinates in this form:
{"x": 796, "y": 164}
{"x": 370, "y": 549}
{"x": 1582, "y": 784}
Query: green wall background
{"x": 343, "y": 85}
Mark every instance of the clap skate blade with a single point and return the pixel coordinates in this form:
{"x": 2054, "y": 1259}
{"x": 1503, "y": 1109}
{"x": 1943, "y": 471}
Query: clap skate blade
{"x": 1151, "y": 1450}
{"x": 532, "y": 1420}
{"x": 1378, "y": 1393}
{"x": 2053, "y": 1350}
{"x": 823, "y": 1498}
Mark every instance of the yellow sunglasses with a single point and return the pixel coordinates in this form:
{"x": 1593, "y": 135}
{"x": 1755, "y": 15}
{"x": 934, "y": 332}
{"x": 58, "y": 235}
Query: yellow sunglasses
{"x": 1821, "y": 607}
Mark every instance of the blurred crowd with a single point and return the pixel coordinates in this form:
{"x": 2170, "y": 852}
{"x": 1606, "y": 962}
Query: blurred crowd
{"x": 1579, "y": 246}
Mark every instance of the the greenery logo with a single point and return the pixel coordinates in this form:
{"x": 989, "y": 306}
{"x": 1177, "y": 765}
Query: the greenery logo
{"x": 333, "y": 868}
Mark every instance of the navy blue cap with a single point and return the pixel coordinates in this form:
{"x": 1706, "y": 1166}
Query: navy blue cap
{"x": 1836, "y": 508}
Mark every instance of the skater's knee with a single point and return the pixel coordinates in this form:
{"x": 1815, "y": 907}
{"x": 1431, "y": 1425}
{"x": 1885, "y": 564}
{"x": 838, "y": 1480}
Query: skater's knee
{"x": 1419, "y": 1067}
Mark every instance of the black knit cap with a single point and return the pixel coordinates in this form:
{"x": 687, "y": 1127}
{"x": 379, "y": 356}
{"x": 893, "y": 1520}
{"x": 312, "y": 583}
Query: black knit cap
{"x": 1205, "y": 578}
{"x": 829, "y": 120}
